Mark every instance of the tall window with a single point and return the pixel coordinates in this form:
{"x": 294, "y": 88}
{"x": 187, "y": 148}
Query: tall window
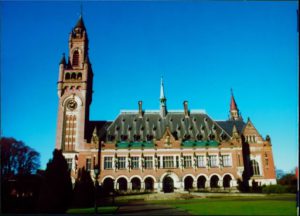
{"x": 135, "y": 162}
{"x": 107, "y": 162}
{"x": 187, "y": 161}
{"x": 255, "y": 167}
{"x": 76, "y": 58}
{"x": 200, "y": 161}
{"x": 226, "y": 161}
{"x": 70, "y": 132}
{"x": 88, "y": 164}
{"x": 69, "y": 162}
{"x": 148, "y": 163}
{"x": 177, "y": 161}
{"x": 213, "y": 161}
{"x": 122, "y": 162}
{"x": 168, "y": 162}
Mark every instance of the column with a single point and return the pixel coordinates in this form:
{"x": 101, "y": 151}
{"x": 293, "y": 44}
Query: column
{"x": 129, "y": 186}
{"x": 207, "y": 184}
{"x": 142, "y": 186}
{"x": 161, "y": 161}
{"x": 220, "y": 183}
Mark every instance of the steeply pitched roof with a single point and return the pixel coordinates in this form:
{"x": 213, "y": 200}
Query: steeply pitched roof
{"x": 198, "y": 126}
{"x": 80, "y": 23}
{"x": 233, "y": 105}
{"x": 228, "y": 125}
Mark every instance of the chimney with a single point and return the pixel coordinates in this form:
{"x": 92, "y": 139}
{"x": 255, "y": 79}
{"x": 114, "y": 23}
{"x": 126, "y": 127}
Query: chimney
{"x": 140, "y": 109}
{"x": 186, "y": 110}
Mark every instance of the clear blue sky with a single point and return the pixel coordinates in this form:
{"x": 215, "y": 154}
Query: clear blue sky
{"x": 202, "y": 49}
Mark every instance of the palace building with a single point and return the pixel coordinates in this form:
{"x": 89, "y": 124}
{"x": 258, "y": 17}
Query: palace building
{"x": 160, "y": 150}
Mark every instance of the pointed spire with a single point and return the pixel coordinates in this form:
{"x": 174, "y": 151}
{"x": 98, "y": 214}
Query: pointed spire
{"x": 234, "y": 111}
{"x": 163, "y": 99}
{"x": 162, "y": 92}
{"x": 233, "y": 105}
{"x": 80, "y": 23}
{"x": 63, "y": 60}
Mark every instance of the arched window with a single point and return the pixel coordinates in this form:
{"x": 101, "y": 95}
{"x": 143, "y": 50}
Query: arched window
{"x": 75, "y": 58}
{"x": 73, "y": 76}
{"x": 67, "y": 76}
{"x": 79, "y": 76}
{"x": 255, "y": 167}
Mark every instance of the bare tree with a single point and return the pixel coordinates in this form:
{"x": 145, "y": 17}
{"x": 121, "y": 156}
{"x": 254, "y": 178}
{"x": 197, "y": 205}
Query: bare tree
{"x": 17, "y": 158}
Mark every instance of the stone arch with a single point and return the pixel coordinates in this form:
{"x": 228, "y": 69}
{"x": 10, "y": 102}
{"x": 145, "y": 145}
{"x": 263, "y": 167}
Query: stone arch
{"x": 171, "y": 174}
{"x": 214, "y": 181}
{"x": 79, "y": 76}
{"x": 122, "y": 183}
{"x": 122, "y": 176}
{"x": 67, "y": 76}
{"x": 108, "y": 176}
{"x": 135, "y": 183}
{"x": 226, "y": 181}
{"x": 73, "y": 76}
{"x": 149, "y": 176}
{"x": 215, "y": 174}
{"x": 232, "y": 177}
{"x": 75, "y": 60}
{"x": 108, "y": 184}
{"x": 193, "y": 177}
{"x": 201, "y": 180}
{"x": 149, "y": 183}
{"x": 188, "y": 182}
{"x": 136, "y": 176}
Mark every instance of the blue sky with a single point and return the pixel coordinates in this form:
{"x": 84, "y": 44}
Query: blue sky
{"x": 202, "y": 49}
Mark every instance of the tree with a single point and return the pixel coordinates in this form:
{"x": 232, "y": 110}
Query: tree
{"x": 17, "y": 158}
{"x": 56, "y": 191}
{"x": 84, "y": 190}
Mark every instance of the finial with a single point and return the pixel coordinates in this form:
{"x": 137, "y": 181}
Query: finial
{"x": 231, "y": 91}
{"x": 81, "y": 8}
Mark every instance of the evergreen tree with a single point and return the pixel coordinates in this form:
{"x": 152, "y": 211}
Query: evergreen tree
{"x": 56, "y": 191}
{"x": 84, "y": 190}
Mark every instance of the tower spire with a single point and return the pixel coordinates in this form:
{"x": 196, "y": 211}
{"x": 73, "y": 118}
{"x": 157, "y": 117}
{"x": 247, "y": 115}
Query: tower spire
{"x": 162, "y": 92}
{"x": 234, "y": 111}
{"x": 163, "y": 100}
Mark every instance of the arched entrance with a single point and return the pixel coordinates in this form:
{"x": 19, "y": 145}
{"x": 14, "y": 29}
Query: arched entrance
{"x": 214, "y": 181}
{"x": 168, "y": 184}
{"x": 201, "y": 182}
{"x": 188, "y": 183}
{"x": 226, "y": 181}
{"x": 108, "y": 185}
{"x": 136, "y": 183}
{"x": 122, "y": 184}
{"x": 149, "y": 183}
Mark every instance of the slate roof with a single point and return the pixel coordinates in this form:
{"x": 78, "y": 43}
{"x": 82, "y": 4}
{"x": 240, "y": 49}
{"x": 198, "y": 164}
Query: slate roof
{"x": 228, "y": 125}
{"x": 129, "y": 127}
{"x": 101, "y": 129}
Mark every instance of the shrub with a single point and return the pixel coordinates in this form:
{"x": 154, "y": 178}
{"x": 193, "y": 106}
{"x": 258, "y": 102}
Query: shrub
{"x": 274, "y": 189}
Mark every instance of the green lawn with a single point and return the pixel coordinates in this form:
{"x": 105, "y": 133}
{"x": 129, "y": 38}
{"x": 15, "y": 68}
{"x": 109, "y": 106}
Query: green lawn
{"x": 269, "y": 205}
{"x": 101, "y": 210}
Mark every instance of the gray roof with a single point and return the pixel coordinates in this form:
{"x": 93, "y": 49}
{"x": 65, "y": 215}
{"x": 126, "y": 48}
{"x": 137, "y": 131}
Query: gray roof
{"x": 129, "y": 126}
{"x": 228, "y": 125}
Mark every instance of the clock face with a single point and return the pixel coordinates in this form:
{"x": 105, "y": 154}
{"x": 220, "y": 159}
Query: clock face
{"x": 71, "y": 104}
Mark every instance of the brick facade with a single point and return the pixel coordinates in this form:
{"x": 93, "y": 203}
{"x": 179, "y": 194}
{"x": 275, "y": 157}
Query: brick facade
{"x": 159, "y": 150}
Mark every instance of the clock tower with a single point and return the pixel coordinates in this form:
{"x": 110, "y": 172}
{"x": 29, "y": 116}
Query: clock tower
{"x": 75, "y": 92}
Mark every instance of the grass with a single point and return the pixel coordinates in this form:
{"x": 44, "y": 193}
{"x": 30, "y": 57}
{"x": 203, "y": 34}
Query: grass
{"x": 101, "y": 210}
{"x": 269, "y": 205}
